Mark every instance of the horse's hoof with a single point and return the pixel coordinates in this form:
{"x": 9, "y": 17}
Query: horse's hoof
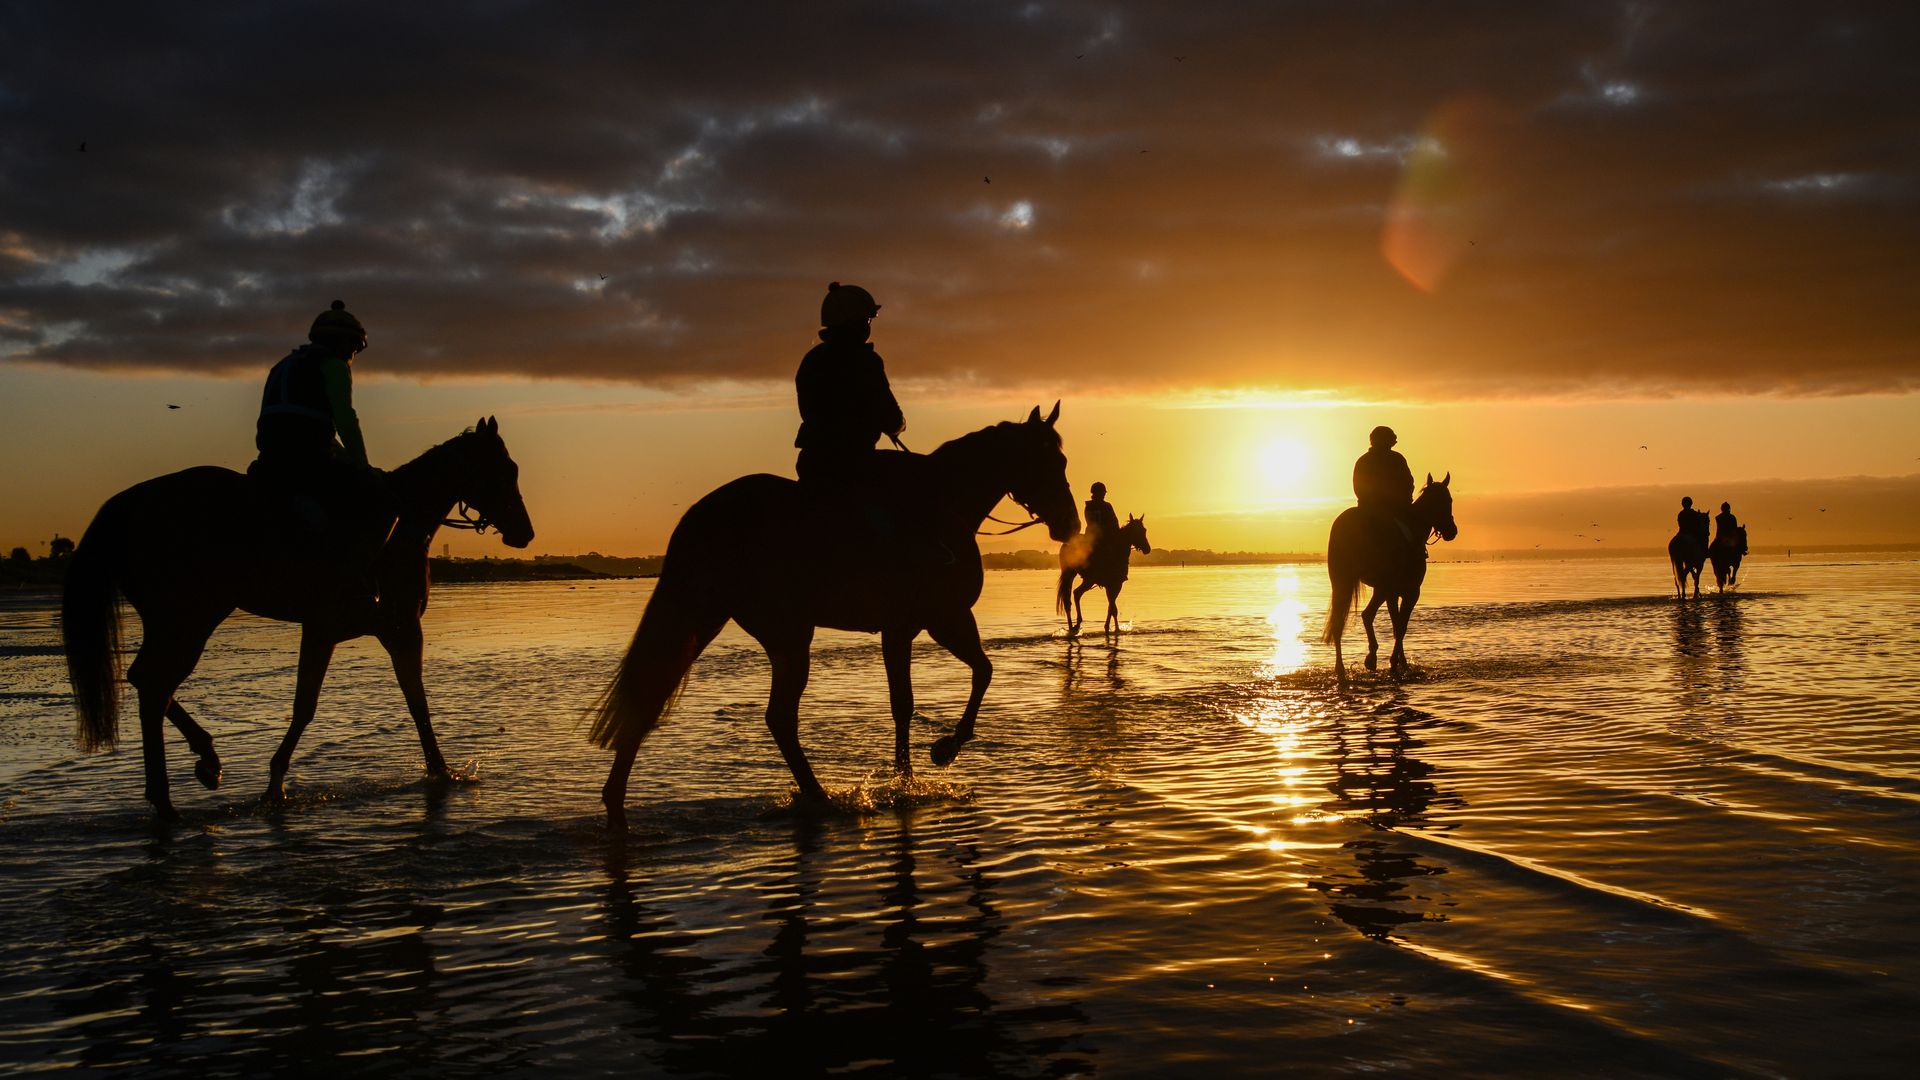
{"x": 1371, "y": 664}
{"x": 945, "y": 749}
{"x": 207, "y": 771}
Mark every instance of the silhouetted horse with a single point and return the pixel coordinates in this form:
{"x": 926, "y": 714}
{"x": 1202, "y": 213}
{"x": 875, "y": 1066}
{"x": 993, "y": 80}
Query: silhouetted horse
{"x": 1360, "y": 551}
{"x": 776, "y": 559}
{"x": 1687, "y": 554}
{"x": 1725, "y": 554}
{"x": 188, "y": 548}
{"x": 1106, "y": 569}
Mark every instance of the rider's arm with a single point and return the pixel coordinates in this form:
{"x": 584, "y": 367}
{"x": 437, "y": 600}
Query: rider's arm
{"x": 338, "y": 379}
{"x": 886, "y": 410}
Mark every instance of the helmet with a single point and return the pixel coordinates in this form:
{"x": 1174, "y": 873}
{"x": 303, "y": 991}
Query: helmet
{"x": 1686, "y": 501}
{"x": 336, "y": 326}
{"x": 1098, "y": 488}
{"x": 1724, "y": 508}
{"x": 847, "y": 305}
{"x": 1382, "y": 436}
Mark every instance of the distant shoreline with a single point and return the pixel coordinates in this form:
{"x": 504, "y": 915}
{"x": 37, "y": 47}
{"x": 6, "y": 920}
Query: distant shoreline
{"x": 45, "y": 575}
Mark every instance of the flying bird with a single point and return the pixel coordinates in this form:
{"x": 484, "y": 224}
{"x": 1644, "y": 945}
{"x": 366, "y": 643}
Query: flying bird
{"x": 986, "y": 179}
{"x": 1179, "y": 59}
{"x": 603, "y": 277}
{"x": 171, "y": 406}
{"x": 1643, "y": 446}
{"x": 1078, "y": 56}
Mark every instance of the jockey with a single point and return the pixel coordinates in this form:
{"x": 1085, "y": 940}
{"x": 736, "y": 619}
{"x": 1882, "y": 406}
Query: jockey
{"x": 1383, "y": 483}
{"x": 1692, "y": 522}
{"x": 308, "y": 401}
{"x": 845, "y": 401}
{"x": 1103, "y": 525}
{"x": 1727, "y": 529}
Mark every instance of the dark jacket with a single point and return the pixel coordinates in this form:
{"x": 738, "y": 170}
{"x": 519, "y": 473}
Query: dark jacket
{"x": 308, "y": 400}
{"x": 1102, "y": 522}
{"x": 1693, "y": 523}
{"x": 1381, "y": 478}
{"x": 845, "y": 401}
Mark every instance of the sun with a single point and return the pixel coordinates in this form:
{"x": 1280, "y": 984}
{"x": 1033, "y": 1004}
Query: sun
{"x": 1283, "y": 467}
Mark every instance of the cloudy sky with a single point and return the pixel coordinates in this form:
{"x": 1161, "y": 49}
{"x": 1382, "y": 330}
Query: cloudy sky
{"x": 611, "y": 224}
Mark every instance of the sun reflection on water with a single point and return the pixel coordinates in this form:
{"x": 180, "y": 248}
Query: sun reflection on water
{"x": 1289, "y": 620}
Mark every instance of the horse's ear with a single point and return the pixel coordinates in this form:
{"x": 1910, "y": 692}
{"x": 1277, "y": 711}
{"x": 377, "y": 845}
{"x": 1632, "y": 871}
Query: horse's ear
{"x": 1034, "y": 416}
{"x": 1444, "y": 479}
{"x": 1429, "y": 479}
{"x": 1052, "y": 416}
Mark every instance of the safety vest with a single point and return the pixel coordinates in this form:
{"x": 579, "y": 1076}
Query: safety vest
{"x": 295, "y": 415}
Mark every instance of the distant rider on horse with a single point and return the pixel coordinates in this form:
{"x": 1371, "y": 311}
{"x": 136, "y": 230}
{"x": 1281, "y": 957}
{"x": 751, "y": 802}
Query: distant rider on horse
{"x": 1727, "y": 530}
{"x": 1103, "y": 530}
{"x": 308, "y": 401}
{"x": 845, "y": 401}
{"x": 1383, "y": 484}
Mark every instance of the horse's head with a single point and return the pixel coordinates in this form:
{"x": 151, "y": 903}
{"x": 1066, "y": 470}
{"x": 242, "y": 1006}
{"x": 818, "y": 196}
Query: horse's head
{"x": 1135, "y": 532}
{"x": 1434, "y": 507}
{"x": 1038, "y": 473}
{"x": 489, "y": 482}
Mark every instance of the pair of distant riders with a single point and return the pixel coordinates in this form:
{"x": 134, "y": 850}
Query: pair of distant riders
{"x": 1727, "y": 530}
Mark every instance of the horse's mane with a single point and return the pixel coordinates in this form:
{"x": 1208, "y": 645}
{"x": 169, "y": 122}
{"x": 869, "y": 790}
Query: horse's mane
{"x": 986, "y": 439}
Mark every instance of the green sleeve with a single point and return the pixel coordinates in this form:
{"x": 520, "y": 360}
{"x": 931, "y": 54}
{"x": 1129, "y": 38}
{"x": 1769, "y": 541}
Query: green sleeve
{"x": 339, "y": 382}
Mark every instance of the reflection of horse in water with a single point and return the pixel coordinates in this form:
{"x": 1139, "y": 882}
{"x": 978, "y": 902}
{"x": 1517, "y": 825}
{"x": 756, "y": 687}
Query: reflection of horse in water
{"x": 762, "y": 552}
{"x": 1362, "y": 549}
{"x": 1725, "y": 554}
{"x": 188, "y": 548}
{"x": 1105, "y": 567}
{"x": 1687, "y": 554}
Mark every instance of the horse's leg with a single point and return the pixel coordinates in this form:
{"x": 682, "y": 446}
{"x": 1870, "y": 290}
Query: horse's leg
{"x": 207, "y": 769}
{"x": 166, "y": 658}
{"x": 1113, "y": 607}
{"x": 1078, "y": 615}
{"x": 1401, "y": 611}
{"x": 1366, "y": 619}
{"x": 790, "y": 662}
{"x": 316, "y": 651}
{"x": 896, "y": 648}
{"x": 961, "y": 637}
{"x": 404, "y": 645}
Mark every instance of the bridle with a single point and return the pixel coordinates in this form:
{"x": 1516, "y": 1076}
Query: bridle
{"x": 466, "y": 517}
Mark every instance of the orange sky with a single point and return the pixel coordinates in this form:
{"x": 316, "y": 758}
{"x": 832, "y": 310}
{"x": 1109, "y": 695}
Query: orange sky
{"x": 608, "y": 467}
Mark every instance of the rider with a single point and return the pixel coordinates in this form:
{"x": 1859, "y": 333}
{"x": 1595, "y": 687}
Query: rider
{"x": 308, "y": 400}
{"x": 1727, "y": 529}
{"x": 1383, "y": 483}
{"x": 1692, "y": 522}
{"x": 1103, "y": 530}
{"x": 845, "y": 401}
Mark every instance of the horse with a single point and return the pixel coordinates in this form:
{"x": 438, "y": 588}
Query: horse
{"x": 1106, "y": 569}
{"x": 761, "y": 551}
{"x": 1687, "y": 554}
{"x": 1725, "y": 553}
{"x": 1360, "y": 552}
{"x": 188, "y": 548}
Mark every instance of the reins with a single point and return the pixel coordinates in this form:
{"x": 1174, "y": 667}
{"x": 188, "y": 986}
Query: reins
{"x": 1017, "y": 526}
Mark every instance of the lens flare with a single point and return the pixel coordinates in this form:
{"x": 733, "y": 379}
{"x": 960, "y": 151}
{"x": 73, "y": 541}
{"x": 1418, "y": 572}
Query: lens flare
{"x": 1448, "y": 188}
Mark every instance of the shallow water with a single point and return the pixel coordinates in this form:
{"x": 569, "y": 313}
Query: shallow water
{"x": 1594, "y": 831}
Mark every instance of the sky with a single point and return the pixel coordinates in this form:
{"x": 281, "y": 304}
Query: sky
{"x": 1231, "y": 238}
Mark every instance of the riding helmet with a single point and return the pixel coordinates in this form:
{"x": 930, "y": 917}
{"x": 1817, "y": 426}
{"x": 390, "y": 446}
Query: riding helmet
{"x": 847, "y": 305}
{"x": 336, "y": 326}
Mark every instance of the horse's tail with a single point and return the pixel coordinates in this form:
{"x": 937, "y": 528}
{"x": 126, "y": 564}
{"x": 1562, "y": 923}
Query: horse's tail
{"x": 1063, "y": 597}
{"x": 1342, "y": 603}
{"x": 90, "y": 628}
{"x": 673, "y": 630}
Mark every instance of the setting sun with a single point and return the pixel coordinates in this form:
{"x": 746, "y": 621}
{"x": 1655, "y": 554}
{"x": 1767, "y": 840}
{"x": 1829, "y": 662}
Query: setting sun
{"x": 1283, "y": 466}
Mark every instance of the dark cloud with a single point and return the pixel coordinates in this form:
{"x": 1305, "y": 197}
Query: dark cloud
{"x": 1660, "y": 198}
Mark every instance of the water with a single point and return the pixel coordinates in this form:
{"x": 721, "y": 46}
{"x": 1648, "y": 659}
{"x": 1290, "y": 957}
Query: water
{"x": 1593, "y": 832}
